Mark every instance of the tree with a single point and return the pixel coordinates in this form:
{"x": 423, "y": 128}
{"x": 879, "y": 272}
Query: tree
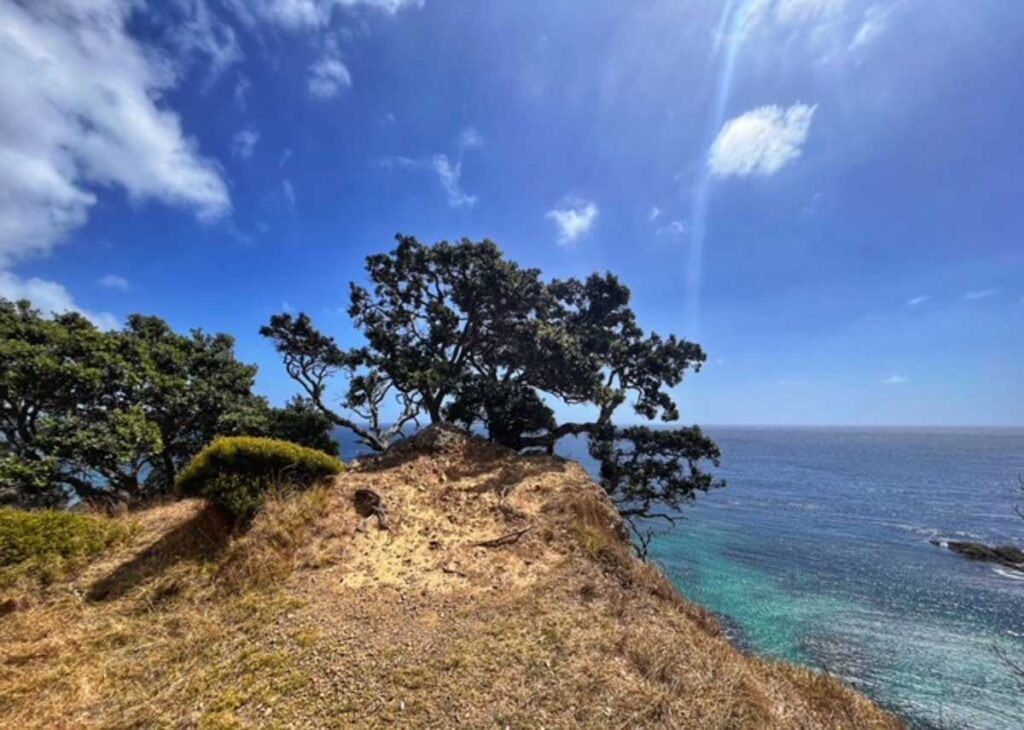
{"x": 190, "y": 386}
{"x": 312, "y": 359}
{"x": 113, "y": 416}
{"x": 61, "y": 404}
{"x": 461, "y": 334}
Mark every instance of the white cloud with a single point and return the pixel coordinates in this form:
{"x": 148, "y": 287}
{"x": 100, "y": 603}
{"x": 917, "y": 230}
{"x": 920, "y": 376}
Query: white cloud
{"x": 914, "y": 301}
{"x": 327, "y": 77}
{"x": 653, "y": 215}
{"x": 288, "y": 195}
{"x": 398, "y": 162}
{"x": 792, "y": 12}
{"x": 308, "y": 14}
{"x": 200, "y": 32}
{"x": 805, "y": 11}
{"x": 980, "y": 294}
{"x": 761, "y": 142}
{"x": 574, "y": 218}
{"x": 895, "y": 380}
{"x": 450, "y": 177}
{"x": 244, "y": 142}
{"x": 876, "y": 20}
{"x": 242, "y": 88}
{"x": 672, "y": 228}
{"x": 50, "y": 298}
{"x": 470, "y": 138}
{"x": 113, "y": 281}
{"x": 81, "y": 112}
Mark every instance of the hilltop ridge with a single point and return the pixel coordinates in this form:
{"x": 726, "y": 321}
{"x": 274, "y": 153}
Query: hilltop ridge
{"x": 503, "y": 593}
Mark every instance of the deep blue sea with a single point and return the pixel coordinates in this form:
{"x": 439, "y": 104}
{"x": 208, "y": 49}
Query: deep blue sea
{"x": 818, "y": 553}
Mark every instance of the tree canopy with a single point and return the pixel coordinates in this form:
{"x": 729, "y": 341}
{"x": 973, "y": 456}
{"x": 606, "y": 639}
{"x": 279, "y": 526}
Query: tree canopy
{"x": 99, "y": 415}
{"x": 455, "y": 332}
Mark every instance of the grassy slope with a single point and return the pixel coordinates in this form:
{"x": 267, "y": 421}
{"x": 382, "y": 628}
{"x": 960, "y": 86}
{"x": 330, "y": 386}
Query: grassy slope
{"x": 308, "y": 622}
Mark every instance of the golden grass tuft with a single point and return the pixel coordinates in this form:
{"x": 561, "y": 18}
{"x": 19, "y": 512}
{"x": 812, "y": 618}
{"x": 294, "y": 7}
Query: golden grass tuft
{"x": 268, "y": 551}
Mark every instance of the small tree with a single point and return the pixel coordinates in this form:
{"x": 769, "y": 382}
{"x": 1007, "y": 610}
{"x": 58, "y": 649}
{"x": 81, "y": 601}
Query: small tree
{"x": 461, "y": 334}
{"x": 312, "y": 359}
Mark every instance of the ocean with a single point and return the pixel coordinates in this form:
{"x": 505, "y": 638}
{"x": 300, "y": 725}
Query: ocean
{"x": 819, "y": 553}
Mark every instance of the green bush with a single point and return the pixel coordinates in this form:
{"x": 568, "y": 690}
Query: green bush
{"x": 236, "y": 472}
{"x": 48, "y": 543}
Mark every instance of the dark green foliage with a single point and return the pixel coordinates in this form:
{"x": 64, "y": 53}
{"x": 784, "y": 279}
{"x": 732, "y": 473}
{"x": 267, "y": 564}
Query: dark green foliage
{"x": 47, "y": 543}
{"x": 460, "y": 334}
{"x": 191, "y": 386}
{"x": 302, "y": 423}
{"x": 112, "y": 416}
{"x": 237, "y": 472}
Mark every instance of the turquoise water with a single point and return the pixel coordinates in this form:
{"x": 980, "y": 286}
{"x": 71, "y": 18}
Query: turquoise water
{"x": 818, "y": 553}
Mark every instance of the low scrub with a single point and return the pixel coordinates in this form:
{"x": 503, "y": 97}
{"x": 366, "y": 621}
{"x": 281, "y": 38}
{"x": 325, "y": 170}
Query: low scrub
{"x": 48, "y": 543}
{"x": 238, "y": 472}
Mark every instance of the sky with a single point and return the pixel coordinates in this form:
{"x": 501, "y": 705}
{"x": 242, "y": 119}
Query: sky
{"x": 825, "y": 194}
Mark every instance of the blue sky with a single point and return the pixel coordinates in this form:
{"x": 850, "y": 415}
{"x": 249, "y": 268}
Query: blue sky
{"x": 826, "y": 194}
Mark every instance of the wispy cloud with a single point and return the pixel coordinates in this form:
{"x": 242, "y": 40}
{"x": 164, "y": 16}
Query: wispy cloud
{"x": 574, "y": 218}
{"x": 654, "y": 214}
{"x": 297, "y": 15}
{"x": 980, "y": 294}
{"x": 398, "y": 162}
{"x": 85, "y": 120}
{"x": 876, "y": 20}
{"x": 895, "y": 380}
{"x": 113, "y": 281}
{"x": 470, "y": 138}
{"x": 244, "y": 142}
{"x": 201, "y": 33}
{"x": 288, "y": 195}
{"x": 327, "y": 77}
{"x": 450, "y": 176}
{"x": 672, "y": 228}
{"x": 50, "y": 298}
{"x": 241, "y": 93}
{"x": 914, "y": 301}
{"x": 761, "y": 142}
{"x": 792, "y": 12}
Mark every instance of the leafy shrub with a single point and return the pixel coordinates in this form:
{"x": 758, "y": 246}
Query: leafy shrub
{"x": 237, "y": 472}
{"x": 48, "y": 543}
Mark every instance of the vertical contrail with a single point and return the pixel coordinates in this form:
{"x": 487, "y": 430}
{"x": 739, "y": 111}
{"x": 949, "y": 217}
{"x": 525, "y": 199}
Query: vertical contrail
{"x": 731, "y": 29}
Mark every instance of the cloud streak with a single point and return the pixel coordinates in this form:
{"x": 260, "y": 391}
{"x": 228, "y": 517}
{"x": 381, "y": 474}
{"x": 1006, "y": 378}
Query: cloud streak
{"x": 977, "y": 294}
{"x": 450, "y": 176}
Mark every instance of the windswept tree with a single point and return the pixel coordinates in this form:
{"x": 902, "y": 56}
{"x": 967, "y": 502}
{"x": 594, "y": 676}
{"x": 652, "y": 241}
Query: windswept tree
{"x": 114, "y": 415}
{"x": 458, "y": 333}
{"x": 63, "y": 415}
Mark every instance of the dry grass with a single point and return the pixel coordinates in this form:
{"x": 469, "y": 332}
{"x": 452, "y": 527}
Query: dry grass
{"x": 304, "y": 621}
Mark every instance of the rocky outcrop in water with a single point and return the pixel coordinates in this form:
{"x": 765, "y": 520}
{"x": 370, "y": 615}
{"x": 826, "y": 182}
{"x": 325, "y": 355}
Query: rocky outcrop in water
{"x": 1006, "y": 555}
